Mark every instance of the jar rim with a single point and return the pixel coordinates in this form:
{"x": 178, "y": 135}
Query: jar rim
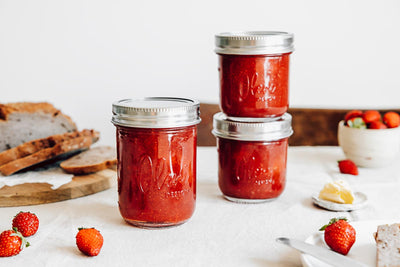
{"x": 261, "y": 130}
{"x": 156, "y": 112}
{"x": 254, "y": 42}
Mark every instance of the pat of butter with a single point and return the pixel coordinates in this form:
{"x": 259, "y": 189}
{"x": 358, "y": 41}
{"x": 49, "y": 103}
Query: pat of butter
{"x": 338, "y": 191}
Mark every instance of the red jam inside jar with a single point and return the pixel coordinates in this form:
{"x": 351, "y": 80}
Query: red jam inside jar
{"x": 252, "y": 158}
{"x": 254, "y": 86}
{"x": 156, "y": 166}
{"x": 251, "y": 170}
{"x": 254, "y": 73}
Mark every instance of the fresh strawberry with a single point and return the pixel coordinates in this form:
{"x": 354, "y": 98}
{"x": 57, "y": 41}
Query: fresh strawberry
{"x": 391, "y": 119}
{"x": 27, "y": 223}
{"x": 347, "y": 166}
{"x": 352, "y": 114}
{"x": 339, "y": 235}
{"x": 89, "y": 241}
{"x": 377, "y": 125}
{"x": 371, "y": 115}
{"x": 11, "y": 243}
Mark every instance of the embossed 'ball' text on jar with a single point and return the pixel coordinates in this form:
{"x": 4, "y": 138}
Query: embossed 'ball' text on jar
{"x": 156, "y": 151}
{"x": 252, "y": 157}
{"x": 254, "y": 73}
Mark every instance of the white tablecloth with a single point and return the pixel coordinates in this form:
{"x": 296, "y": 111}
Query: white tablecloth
{"x": 220, "y": 233}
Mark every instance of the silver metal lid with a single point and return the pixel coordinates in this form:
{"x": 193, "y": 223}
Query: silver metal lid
{"x": 254, "y": 43}
{"x": 263, "y": 130}
{"x": 156, "y": 112}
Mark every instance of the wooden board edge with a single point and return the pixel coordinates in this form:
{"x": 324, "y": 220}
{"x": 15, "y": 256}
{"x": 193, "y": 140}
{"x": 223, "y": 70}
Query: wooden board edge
{"x": 79, "y": 186}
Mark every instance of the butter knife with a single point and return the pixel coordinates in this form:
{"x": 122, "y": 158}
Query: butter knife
{"x": 323, "y": 254}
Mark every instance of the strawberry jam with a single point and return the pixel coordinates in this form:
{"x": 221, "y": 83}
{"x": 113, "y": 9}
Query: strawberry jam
{"x": 156, "y": 161}
{"x": 252, "y": 158}
{"x": 251, "y": 170}
{"x": 254, "y": 73}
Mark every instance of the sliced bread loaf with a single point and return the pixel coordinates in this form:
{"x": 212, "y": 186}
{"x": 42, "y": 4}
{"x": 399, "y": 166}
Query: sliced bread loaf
{"x": 387, "y": 239}
{"x": 66, "y": 147}
{"x": 92, "y": 160}
{"x": 26, "y": 121}
{"x": 36, "y": 145}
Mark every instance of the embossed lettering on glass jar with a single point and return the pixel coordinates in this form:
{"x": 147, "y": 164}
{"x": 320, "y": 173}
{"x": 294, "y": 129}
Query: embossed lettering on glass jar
{"x": 254, "y": 73}
{"x": 252, "y": 157}
{"x": 156, "y": 150}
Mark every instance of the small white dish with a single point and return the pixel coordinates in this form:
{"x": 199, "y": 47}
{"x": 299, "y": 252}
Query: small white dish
{"x": 360, "y": 200}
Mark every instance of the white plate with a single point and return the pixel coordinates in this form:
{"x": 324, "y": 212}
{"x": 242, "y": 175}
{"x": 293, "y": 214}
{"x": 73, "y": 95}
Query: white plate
{"x": 363, "y": 250}
{"x": 360, "y": 200}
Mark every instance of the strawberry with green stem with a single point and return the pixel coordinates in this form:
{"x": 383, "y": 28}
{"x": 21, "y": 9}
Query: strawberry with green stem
{"x": 11, "y": 243}
{"x": 27, "y": 223}
{"x": 339, "y": 235}
{"x": 89, "y": 241}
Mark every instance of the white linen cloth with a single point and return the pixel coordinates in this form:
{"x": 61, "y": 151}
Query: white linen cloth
{"x": 56, "y": 177}
{"x": 220, "y": 233}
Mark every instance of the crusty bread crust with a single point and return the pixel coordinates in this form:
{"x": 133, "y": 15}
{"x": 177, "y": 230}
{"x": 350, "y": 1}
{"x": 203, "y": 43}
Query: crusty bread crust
{"x": 92, "y": 160}
{"x": 68, "y": 146}
{"x": 34, "y": 146}
{"x": 25, "y": 121}
{"x": 387, "y": 239}
{"x": 28, "y": 107}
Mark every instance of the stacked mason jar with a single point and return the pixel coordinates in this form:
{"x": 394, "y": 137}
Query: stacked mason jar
{"x": 253, "y": 128}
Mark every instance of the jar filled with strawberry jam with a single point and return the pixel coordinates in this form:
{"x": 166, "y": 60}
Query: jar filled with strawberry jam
{"x": 252, "y": 157}
{"x": 254, "y": 73}
{"x": 156, "y": 151}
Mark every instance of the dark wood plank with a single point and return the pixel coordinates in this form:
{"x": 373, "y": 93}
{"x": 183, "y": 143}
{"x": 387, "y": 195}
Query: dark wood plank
{"x": 312, "y": 127}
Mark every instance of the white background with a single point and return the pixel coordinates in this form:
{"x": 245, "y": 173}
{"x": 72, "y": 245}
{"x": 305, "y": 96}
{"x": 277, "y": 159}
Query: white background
{"x": 81, "y": 55}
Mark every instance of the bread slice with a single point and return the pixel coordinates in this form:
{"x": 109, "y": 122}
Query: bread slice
{"x": 387, "y": 239}
{"x": 25, "y": 121}
{"x": 92, "y": 160}
{"x": 52, "y": 153}
{"x": 36, "y": 145}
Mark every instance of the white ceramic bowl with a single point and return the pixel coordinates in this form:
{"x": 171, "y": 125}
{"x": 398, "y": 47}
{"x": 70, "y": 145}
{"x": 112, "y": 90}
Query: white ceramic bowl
{"x": 369, "y": 147}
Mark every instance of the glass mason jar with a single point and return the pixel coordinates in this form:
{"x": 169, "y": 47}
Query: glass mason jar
{"x": 156, "y": 151}
{"x": 252, "y": 157}
{"x": 254, "y": 73}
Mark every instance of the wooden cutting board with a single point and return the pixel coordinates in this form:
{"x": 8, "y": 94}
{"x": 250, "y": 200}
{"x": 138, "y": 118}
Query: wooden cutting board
{"x": 41, "y": 193}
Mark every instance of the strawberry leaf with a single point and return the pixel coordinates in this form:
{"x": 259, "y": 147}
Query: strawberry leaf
{"x": 332, "y": 221}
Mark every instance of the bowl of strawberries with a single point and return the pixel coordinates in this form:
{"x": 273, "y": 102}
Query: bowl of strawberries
{"x": 369, "y": 138}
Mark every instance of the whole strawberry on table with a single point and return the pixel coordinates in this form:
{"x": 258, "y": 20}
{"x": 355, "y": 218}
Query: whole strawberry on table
{"x": 12, "y": 241}
{"x": 347, "y": 166}
{"x": 27, "y": 223}
{"x": 89, "y": 241}
{"x": 339, "y": 235}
